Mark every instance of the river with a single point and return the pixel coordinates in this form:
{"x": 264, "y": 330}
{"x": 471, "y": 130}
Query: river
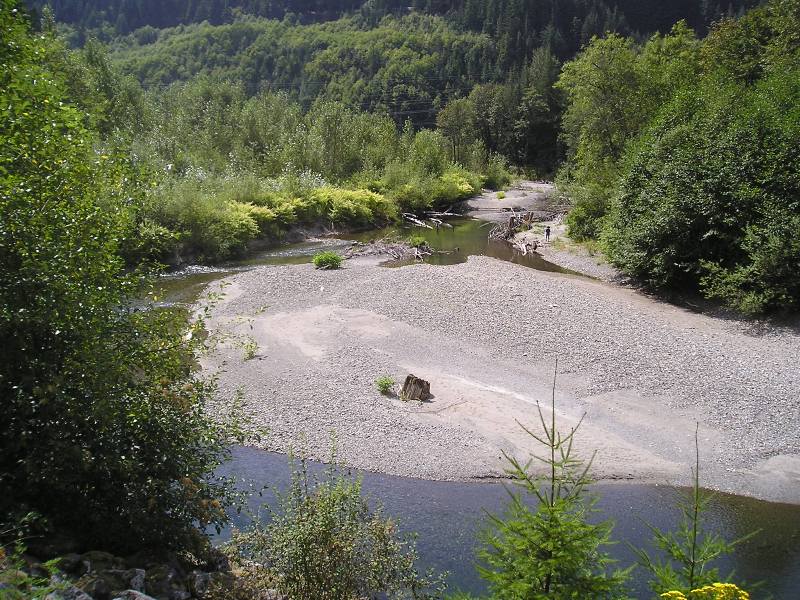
{"x": 447, "y": 516}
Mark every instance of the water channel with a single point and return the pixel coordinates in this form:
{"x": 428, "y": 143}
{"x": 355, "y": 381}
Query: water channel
{"x": 447, "y": 516}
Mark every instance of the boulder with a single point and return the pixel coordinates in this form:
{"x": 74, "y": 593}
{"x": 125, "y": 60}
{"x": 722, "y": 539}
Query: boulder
{"x": 95, "y": 586}
{"x": 132, "y": 595}
{"x": 165, "y": 583}
{"x": 71, "y": 563}
{"x": 198, "y": 583}
{"x": 415, "y": 388}
{"x": 71, "y": 593}
{"x": 96, "y": 561}
{"x": 124, "y": 579}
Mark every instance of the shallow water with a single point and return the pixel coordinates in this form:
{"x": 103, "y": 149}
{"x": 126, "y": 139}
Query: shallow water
{"x": 455, "y": 243}
{"x": 447, "y": 516}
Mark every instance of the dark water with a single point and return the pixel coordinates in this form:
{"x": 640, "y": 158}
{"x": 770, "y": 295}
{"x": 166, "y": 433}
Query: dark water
{"x": 462, "y": 238}
{"x": 465, "y": 237}
{"x": 447, "y": 517}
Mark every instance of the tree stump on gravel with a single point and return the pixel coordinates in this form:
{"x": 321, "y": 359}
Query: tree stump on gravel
{"x": 415, "y": 388}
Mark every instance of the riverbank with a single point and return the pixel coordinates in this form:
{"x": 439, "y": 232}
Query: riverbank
{"x": 543, "y": 200}
{"x": 486, "y": 335}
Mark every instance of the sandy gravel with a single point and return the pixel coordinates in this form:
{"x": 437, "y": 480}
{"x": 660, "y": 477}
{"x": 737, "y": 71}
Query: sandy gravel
{"x": 486, "y": 335}
{"x": 522, "y": 197}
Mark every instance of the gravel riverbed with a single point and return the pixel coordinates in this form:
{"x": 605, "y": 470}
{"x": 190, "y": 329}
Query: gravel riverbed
{"x": 486, "y": 334}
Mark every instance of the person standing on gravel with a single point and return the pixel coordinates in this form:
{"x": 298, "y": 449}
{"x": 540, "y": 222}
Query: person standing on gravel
{"x": 547, "y": 233}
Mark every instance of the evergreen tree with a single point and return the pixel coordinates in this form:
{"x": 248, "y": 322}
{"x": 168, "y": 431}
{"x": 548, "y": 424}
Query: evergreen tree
{"x": 552, "y": 551}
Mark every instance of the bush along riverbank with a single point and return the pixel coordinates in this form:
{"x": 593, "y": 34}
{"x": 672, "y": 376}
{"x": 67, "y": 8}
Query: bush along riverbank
{"x": 237, "y": 169}
{"x": 213, "y": 219}
{"x": 683, "y": 157}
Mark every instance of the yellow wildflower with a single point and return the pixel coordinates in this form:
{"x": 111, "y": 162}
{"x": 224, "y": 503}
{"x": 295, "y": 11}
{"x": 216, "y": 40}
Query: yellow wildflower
{"x": 715, "y": 591}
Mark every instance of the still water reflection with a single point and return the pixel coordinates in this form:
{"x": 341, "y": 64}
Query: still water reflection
{"x": 448, "y": 516}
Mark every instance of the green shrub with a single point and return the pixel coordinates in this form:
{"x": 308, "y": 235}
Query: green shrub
{"x": 152, "y": 242}
{"x": 210, "y": 227}
{"x": 417, "y": 241}
{"x": 501, "y": 195}
{"x": 411, "y": 197}
{"x": 454, "y": 185}
{"x": 327, "y": 260}
{"x": 585, "y": 219}
{"x": 106, "y": 431}
{"x": 324, "y": 542}
{"x": 385, "y": 384}
{"x": 18, "y": 584}
{"x": 496, "y": 174}
{"x": 709, "y": 199}
{"x": 428, "y": 154}
{"x": 356, "y": 208}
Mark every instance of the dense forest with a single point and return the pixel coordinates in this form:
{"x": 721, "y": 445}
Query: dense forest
{"x": 514, "y": 18}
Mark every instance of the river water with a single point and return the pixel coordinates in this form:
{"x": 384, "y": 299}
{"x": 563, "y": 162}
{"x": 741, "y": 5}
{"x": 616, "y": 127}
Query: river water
{"x": 457, "y": 241}
{"x": 448, "y": 516}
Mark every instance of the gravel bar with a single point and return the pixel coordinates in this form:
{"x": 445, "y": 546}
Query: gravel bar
{"x": 324, "y": 336}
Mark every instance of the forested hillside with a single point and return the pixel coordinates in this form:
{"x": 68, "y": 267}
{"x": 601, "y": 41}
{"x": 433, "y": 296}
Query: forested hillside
{"x": 423, "y": 104}
{"x": 517, "y": 24}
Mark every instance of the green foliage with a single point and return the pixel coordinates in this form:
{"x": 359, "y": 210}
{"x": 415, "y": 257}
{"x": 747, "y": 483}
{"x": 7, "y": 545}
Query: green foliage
{"x": 105, "y": 431}
{"x": 720, "y": 191}
{"x": 682, "y": 157}
{"x": 417, "y": 241}
{"x": 456, "y": 122}
{"x": 552, "y": 551}
{"x": 249, "y": 348}
{"x": 207, "y": 225}
{"x": 385, "y": 384}
{"x": 691, "y": 549}
{"x": 501, "y": 195}
{"x": 496, "y": 172}
{"x": 585, "y": 218}
{"x": 356, "y": 208}
{"x": 327, "y": 260}
{"x": 18, "y": 584}
{"x": 324, "y": 542}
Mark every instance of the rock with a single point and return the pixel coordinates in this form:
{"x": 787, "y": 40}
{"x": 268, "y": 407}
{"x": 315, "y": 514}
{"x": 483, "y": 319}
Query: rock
{"x": 71, "y": 593}
{"x": 198, "y": 583}
{"x": 164, "y": 582}
{"x": 71, "y": 563}
{"x": 127, "y": 579}
{"x": 137, "y": 579}
{"x": 96, "y": 561}
{"x": 415, "y": 388}
{"x": 132, "y": 595}
{"x": 95, "y": 586}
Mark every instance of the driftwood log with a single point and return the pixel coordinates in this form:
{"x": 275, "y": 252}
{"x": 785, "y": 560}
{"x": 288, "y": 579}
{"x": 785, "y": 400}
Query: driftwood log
{"x": 415, "y": 388}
